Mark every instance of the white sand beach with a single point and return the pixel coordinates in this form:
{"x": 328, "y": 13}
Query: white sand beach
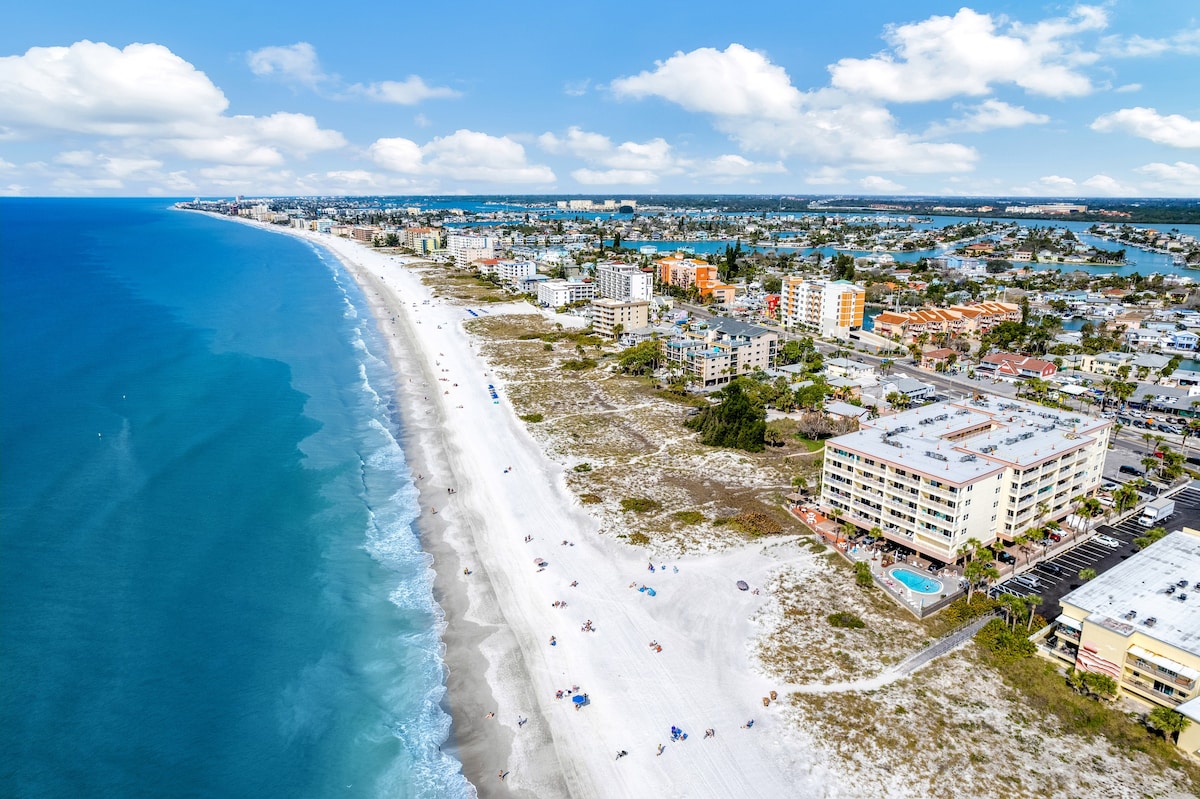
{"x": 502, "y": 616}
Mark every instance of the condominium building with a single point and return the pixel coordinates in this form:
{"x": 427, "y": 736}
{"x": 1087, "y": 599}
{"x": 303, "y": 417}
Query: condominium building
{"x": 623, "y": 282}
{"x": 424, "y": 240}
{"x": 609, "y": 315}
{"x": 714, "y": 355}
{"x": 688, "y": 272}
{"x": 956, "y": 320}
{"x": 932, "y": 478}
{"x": 825, "y": 307}
{"x": 468, "y": 247}
{"x": 1139, "y": 623}
{"x": 509, "y": 272}
{"x": 557, "y": 293}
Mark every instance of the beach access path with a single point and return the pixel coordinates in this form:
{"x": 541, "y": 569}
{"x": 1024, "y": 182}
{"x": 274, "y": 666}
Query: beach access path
{"x": 501, "y": 616}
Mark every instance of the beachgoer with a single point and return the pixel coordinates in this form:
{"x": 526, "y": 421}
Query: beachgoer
{"x": 574, "y": 583}
{"x": 502, "y": 774}
{"x": 661, "y": 748}
{"x": 521, "y": 721}
{"x": 490, "y": 716}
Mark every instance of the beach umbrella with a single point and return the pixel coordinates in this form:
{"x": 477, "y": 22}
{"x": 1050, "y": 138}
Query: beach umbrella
{"x": 579, "y": 699}
{"x": 742, "y": 586}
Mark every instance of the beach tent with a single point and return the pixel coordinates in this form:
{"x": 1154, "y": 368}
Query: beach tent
{"x": 579, "y": 699}
{"x": 647, "y": 590}
{"x": 742, "y": 586}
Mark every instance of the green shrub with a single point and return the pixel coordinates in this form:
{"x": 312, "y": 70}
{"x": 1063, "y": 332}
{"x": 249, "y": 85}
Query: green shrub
{"x": 639, "y": 504}
{"x": 579, "y": 364}
{"x": 1002, "y": 644}
{"x": 532, "y": 417}
{"x": 862, "y": 574}
{"x": 548, "y": 347}
{"x": 845, "y": 619}
{"x": 582, "y": 467}
{"x": 688, "y": 516}
{"x": 590, "y": 499}
{"x": 639, "y": 539}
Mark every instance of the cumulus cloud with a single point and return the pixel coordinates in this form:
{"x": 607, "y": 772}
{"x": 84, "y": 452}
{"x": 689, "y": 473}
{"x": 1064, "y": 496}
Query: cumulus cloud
{"x": 465, "y": 155}
{"x": 735, "y": 81}
{"x": 1128, "y": 87}
{"x": 879, "y": 185}
{"x": 90, "y": 87}
{"x": 1103, "y": 184}
{"x": 150, "y": 98}
{"x": 1057, "y": 183}
{"x": 295, "y": 63}
{"x": 1171, "y": 129}
{"x": 755, "y": 103}
{"x": 642, "y": 163}
{"x": 943, "y": 57}
{"x": 989, "y": 115}
{"x": 1179, "y": 178}
{"x": 410, "y": 91}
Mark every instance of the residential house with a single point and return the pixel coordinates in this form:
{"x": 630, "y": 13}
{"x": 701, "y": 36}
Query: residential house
{"x": 1006, "y": 364}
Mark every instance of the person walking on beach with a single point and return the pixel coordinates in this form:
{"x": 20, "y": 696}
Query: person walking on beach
{"x": 502, "y": 775}
{"x": 660, "y": 749}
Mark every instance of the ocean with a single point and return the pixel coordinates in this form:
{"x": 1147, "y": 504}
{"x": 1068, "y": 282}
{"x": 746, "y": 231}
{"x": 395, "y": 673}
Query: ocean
{"x": 210, "y": 582}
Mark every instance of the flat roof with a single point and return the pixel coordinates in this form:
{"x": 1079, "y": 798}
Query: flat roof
{"x": 996, "y": 432}
{"x": 1139, "y": 586}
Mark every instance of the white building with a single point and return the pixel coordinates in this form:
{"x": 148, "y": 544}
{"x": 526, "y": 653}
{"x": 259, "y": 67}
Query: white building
{"x": 557, "y": 293}
{"x": 934, "y": 477}
{"x": 513, "y": 273}
{"x": 623, "y": 282}
{"x": 825, "y": 307}
{"x": 468, "y": 247}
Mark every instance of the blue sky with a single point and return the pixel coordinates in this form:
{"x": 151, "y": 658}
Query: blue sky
{"x": 216, "y": 99}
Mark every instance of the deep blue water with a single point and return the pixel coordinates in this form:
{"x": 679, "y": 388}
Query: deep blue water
{"x": 209, "y": 582}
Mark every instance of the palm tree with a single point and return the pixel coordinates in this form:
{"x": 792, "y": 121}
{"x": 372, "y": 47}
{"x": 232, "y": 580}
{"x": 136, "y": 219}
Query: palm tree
{"x": 1031, "y": 605}
{"x": 1169, "y": 722}
{"x": 1022, "y": 541}
{"x": 1012, "y": 605}
{"x": 1087, "y": 574}
{"x": 979, "y": 570}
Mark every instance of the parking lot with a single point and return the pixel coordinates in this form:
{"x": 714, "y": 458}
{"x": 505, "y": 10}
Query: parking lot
{"x": 1052, "y": 586}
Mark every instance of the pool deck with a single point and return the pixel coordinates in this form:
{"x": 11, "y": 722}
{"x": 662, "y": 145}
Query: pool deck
{"x": 912, "y": 600}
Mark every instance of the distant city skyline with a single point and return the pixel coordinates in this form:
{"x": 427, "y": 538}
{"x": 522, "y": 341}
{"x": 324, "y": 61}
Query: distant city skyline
{"x": 992, "y": 99}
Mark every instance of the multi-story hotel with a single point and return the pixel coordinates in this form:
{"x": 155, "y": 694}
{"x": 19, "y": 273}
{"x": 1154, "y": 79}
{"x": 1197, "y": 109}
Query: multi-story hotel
{"x": 826, "y": 307}
{"x": 954, "y": 321}
{"x": 423, "y": 240}
{"x": 933, "y": 477}
{"x": 607, "y": 314}
{"x": 714, "y": 355}
{"x": 1139, "y": 623}
{"x": 623, "y": 282}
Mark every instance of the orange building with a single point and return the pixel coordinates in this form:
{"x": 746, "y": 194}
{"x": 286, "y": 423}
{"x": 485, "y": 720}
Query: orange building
{"x": 688, "y": 272}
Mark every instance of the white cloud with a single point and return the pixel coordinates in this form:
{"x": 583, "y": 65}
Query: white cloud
{"x": 879, "y": 185}
{"x": 1186, "y": 42}
{"x": 295, "y": 63}
{"x": 989, "y": 115}
{"x": 577, "y": 88}
{"x": 1103, "y": 184}
{"x": 91, "y": 87}
{"x": 1179, "y": 178}
{"x": 754, "y": 102}
{"x": 942, "y": 57}
{"x": 1057, "y": 183}
{"x": 410, "y": 91}
{"x": 615, "y": 177}
{"x": 1129, "y": 87}
{"x": 825, "y": 176}
{"x": 7, "y": 164}
{"x": 1172, "y": 129}
{"x": 735, "y": 166}
{"x": 734, "y": 82}
{"x": 464, "y": 155}
{"x": 151, "y": 99}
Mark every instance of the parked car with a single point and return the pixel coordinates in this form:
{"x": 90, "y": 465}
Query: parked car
{"x": 1055, "y": 537}
{"x": 1108, "y": 541}
{"x": 1006, "y": 557}
{"x": 1133, "y": 470}
{"x": 1053, "y": 568}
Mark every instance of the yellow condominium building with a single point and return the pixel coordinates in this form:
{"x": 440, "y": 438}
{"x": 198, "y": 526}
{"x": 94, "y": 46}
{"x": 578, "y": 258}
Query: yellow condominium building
{"x": 1139, "y": 623}
{"x": 825, "y": 307}
{"x": 608, "y": 315}
{"x": 934, "y": 477}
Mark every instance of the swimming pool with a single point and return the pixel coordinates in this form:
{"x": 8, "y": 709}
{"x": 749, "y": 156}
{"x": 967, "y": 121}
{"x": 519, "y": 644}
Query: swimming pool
{"x": 917, "y": 582}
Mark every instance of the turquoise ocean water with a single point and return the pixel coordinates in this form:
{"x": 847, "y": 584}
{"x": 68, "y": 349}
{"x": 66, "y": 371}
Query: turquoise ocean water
{"x": 209, "y": 581}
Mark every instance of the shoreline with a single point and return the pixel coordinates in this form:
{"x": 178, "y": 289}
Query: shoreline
{"x": 511, "y": 506}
